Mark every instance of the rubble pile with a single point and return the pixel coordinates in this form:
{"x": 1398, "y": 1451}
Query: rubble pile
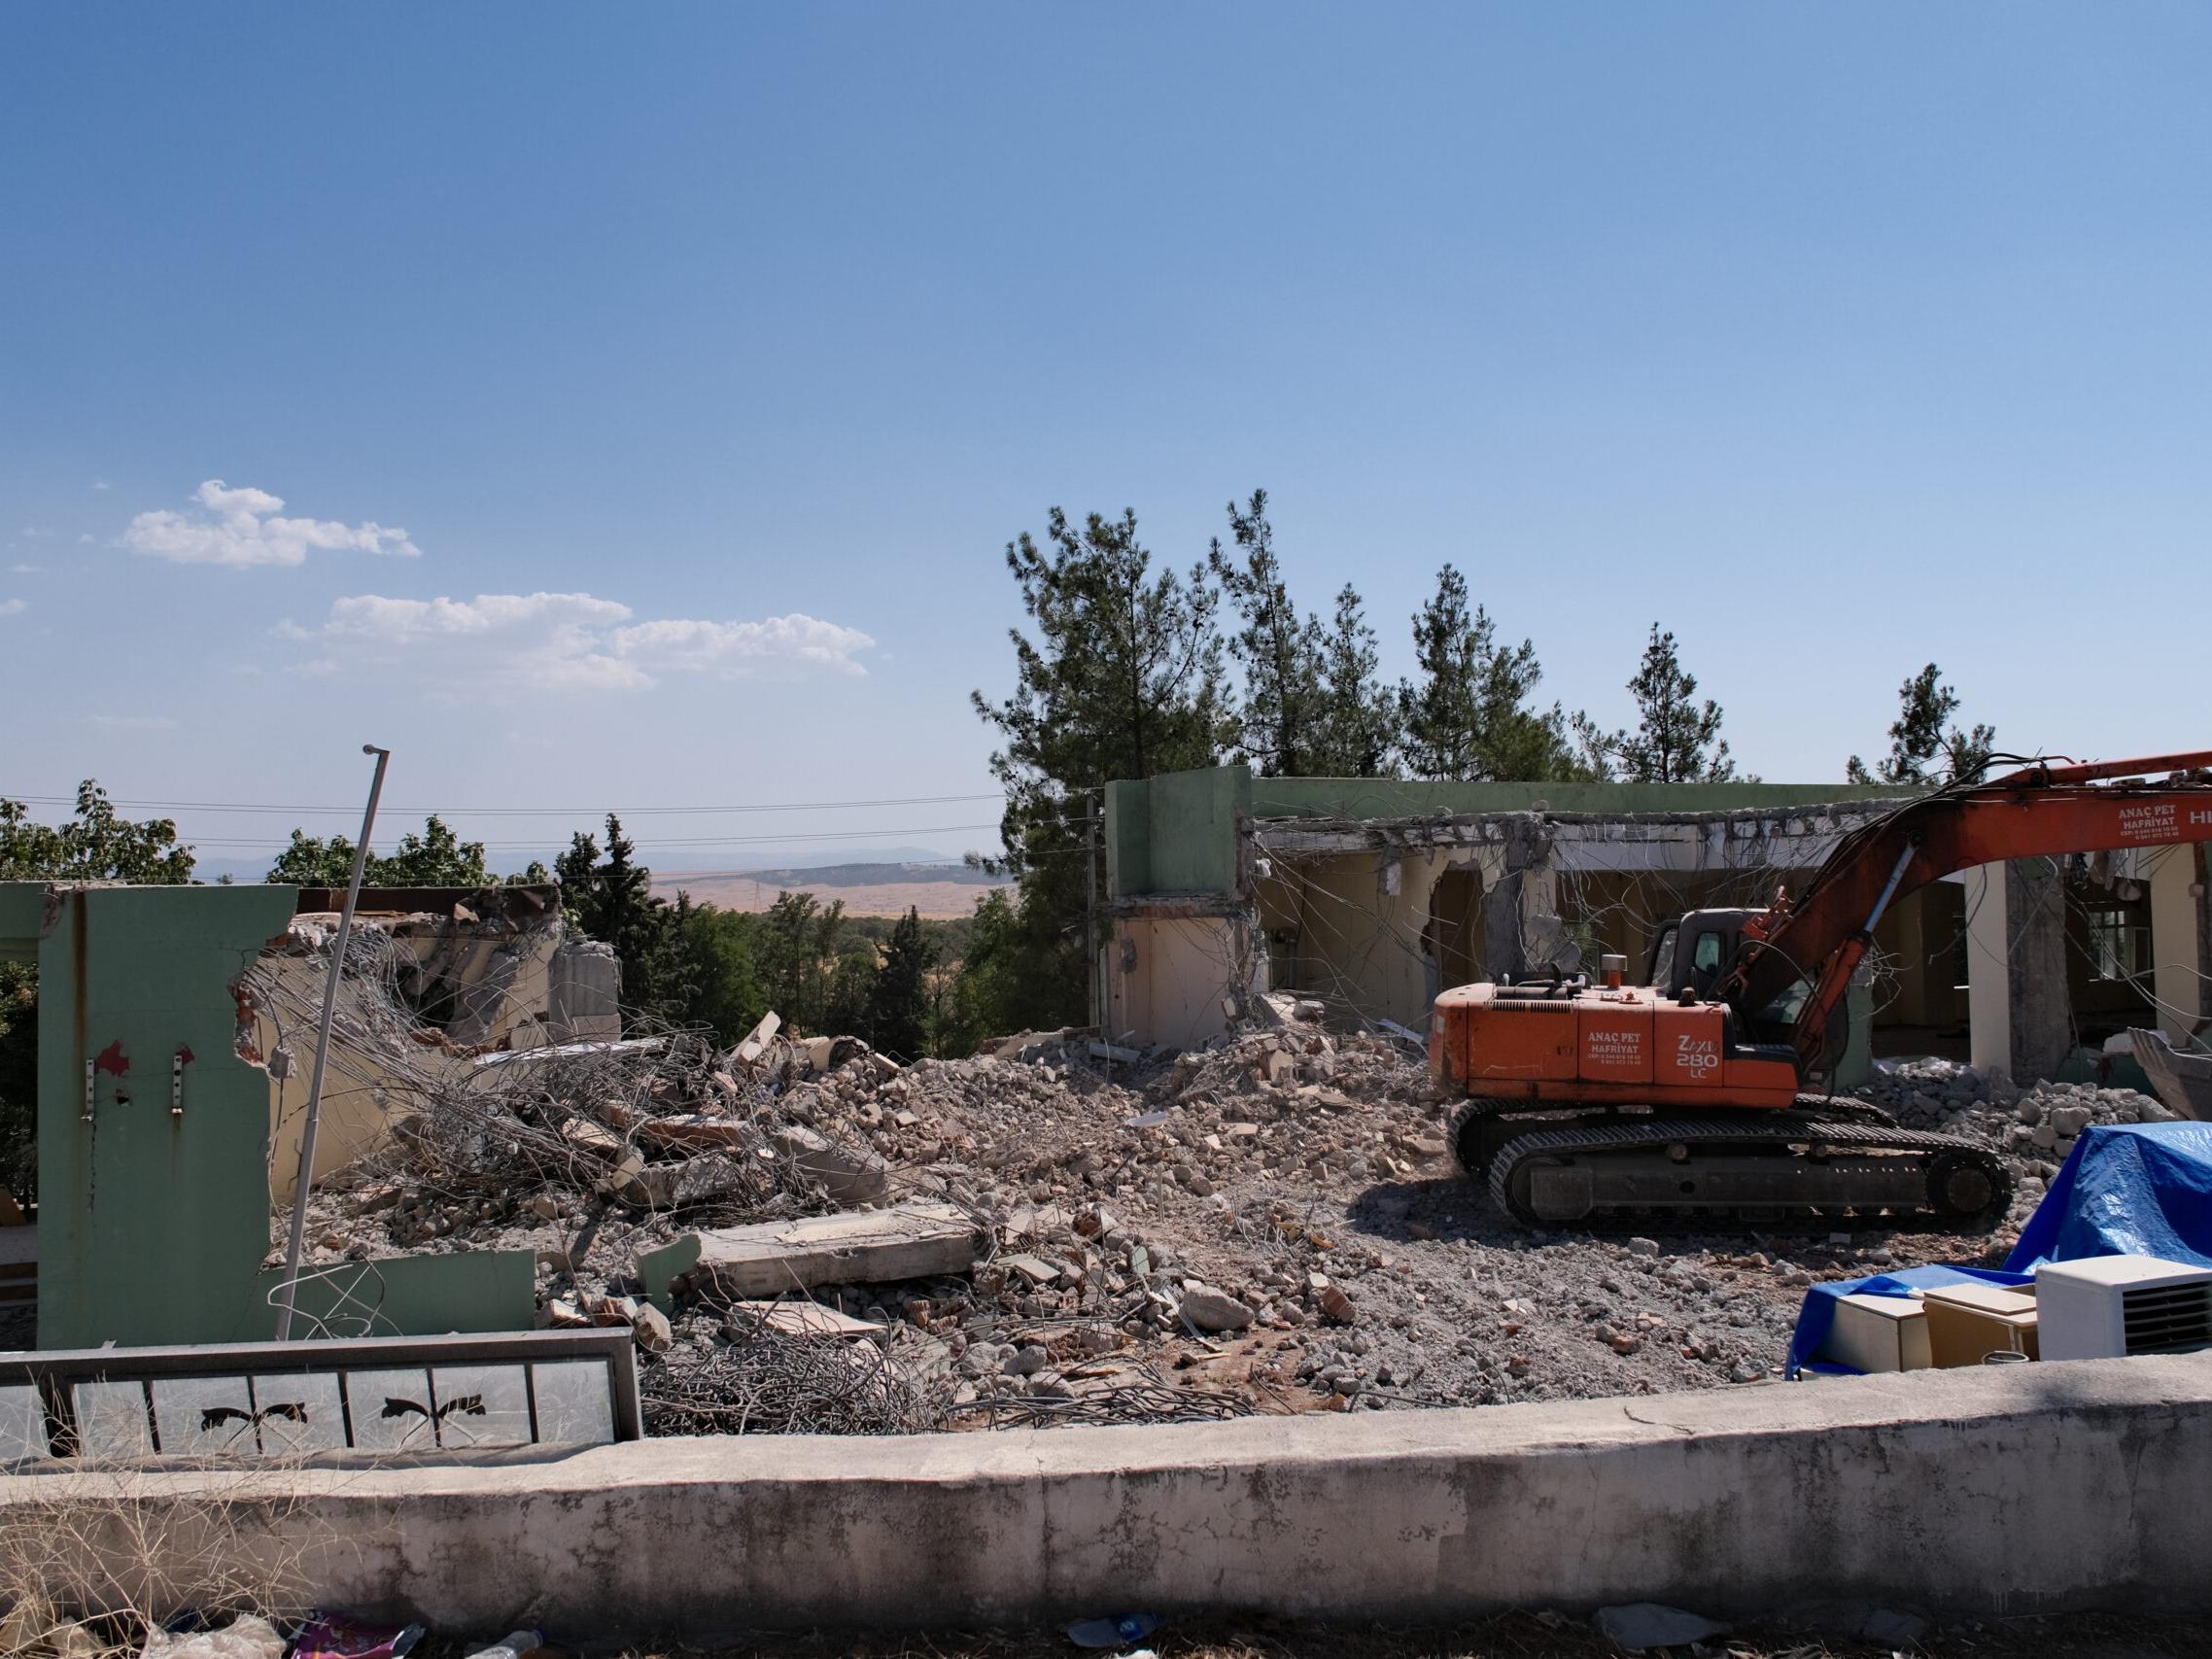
{"x": 2033, "y": 1128}
{"x": 1269, "y": 1222}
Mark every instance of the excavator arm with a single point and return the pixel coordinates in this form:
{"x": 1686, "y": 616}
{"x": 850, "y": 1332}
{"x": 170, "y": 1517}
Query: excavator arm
{"x": 2039, "y": 811}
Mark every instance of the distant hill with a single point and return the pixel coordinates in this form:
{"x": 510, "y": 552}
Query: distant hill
{"x": 935, "y": 890}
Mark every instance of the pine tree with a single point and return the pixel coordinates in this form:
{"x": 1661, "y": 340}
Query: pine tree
{"x": 1916, "y": 736}
{"x": 1123, "y": 680}
{"x": 614, "y": 902}
{"x": 898, "y": 1002}
{"x": 1281, "y": 654}
{"x": 1358, "y": 714}
{"x": 1676, "y": 740}
{"x": 1467, "y": 717}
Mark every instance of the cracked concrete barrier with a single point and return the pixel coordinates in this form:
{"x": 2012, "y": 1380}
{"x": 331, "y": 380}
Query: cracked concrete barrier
{"x": 2030, "y": 1488}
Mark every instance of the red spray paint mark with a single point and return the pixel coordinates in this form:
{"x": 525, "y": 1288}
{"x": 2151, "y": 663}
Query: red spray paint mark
{"x": 111, "y": 1060}
{"x": 185, "y": 1055}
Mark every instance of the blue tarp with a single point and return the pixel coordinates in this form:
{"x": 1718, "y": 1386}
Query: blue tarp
{"x": 2125, "y": 1190}
{"x": 1819, "y": 1310}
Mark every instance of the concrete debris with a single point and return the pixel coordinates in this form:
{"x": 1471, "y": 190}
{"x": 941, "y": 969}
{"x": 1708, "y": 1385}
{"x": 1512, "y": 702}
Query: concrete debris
{"x": 1271, "y": 1221}
{"x": 912, "y": 1241}
{"x": 1210, "y": 1309}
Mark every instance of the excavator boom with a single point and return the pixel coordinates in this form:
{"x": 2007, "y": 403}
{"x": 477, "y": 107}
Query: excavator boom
{"x": 2038, "y": 812}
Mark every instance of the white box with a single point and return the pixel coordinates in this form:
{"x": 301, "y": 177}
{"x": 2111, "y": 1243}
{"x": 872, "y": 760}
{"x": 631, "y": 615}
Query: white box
{"x": 2104, "y": 1307}
{"x": 1878, "y": 1333}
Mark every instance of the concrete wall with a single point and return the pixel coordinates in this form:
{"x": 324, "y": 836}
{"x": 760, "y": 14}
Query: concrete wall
{"x": 1977, "y": 1492}
{"x": 2177, "y": 953}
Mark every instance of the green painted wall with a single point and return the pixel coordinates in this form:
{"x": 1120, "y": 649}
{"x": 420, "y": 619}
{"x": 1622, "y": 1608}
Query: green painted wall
{"x": 150, "y": 1224}
{"x": 154, "y": 1223}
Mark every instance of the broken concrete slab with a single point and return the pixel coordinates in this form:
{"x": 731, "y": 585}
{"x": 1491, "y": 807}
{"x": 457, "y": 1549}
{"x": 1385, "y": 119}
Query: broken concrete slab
{"x": 912, "y": 1241}
{"x": 808, "y": 1319}
{"x": 852, "y": 1174}
{"x": 755, "y": 1045}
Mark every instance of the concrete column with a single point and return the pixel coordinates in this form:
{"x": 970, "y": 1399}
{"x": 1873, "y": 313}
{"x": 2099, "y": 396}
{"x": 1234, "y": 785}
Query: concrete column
{"x": 2022, "y": 1014}
{"x": 1527, "y": 888}
{"x": 1988, "y": 981}
{"x": 2179, "y": 942}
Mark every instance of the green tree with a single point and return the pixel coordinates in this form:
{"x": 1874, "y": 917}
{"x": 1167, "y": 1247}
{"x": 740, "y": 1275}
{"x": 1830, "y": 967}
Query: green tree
{"x": 849, "y": 991}
{"x": 435, "y": 858}
{"x": 727, "y": 992}
{"x": 1467, "y": 717}
{"x": 898, "y": 1002}
{"x": 1916, "y": 736}
{"x": 994, "y": 994}
{"x": 1358, "y": 714}
{"x": 96, "y": 845}
{"x": 1677, "y": 739}
{"x": 1125, "y": 678}
{"x": 1281, "y": 653}
{"x": 800, "y": 942}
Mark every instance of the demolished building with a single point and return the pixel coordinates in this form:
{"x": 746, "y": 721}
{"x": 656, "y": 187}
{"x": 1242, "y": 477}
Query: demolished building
{"x": 1371, "y": 895}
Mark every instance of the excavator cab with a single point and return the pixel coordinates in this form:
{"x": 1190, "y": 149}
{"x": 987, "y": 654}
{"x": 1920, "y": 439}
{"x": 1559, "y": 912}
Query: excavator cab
{"x": 1693, "y": 955}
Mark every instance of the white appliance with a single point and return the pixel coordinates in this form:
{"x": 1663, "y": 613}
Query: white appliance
{"x": 2105, "y": 1307}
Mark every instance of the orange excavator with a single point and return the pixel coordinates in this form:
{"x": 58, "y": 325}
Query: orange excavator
{"x": 1689, "y": 1094}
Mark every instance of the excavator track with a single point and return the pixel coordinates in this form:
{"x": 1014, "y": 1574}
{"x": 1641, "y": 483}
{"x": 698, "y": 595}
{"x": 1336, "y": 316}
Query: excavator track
{"x": 1844, "y": 1161}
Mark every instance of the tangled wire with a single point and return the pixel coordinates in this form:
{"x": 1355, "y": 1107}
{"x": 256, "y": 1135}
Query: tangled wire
{"x": 1148, "y": 1401}
{"x": 761, "y": 1381}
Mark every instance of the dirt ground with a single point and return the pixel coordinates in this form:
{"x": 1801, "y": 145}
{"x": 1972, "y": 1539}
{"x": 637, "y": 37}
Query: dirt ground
{"x": 1512, "y": 1636}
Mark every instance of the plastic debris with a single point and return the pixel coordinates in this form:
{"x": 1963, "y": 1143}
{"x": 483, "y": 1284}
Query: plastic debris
{"x": 1115, "y": 1632}
{"x": 246, "y": 1637}
{"x": 333, "y": 1636}
{"x": 512, "y": 1646}
{"x": 1640, "y": 1625}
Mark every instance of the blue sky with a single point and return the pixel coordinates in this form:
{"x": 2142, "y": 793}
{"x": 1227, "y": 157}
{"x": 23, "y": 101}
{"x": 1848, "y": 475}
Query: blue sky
{"x": 1835, "y": 339}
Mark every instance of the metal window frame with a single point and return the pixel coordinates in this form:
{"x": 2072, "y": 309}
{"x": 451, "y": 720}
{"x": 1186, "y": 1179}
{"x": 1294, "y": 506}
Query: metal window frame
{"x": 55, "y": 1372}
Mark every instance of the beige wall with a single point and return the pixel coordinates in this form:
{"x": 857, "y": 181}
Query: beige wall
{"x": 1169, "y": 976}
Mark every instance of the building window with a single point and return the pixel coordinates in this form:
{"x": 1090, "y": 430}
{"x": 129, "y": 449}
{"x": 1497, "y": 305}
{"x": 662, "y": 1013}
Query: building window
{"x": 2120, "y": 943}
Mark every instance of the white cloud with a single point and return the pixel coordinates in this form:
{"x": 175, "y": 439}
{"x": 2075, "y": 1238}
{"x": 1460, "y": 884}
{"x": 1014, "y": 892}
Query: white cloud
{"x": 14, "y": 606}
{"x": 22, "y": 570}
{"x": 242, "y": 528}
{"x": 565, "y": 641}
{"x": 99, "y": 483}
{"x": 738, "y": 649}
{"x": 131, "y": 722}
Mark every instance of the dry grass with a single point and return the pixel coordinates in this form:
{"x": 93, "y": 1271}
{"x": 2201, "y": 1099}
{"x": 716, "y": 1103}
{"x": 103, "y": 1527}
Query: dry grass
{"x": 99, "y": 1549}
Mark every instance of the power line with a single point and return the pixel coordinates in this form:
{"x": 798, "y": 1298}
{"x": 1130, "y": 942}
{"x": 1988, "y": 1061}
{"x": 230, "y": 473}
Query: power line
{"x": 250, "y": 843}
{"x": 521, "y": 811}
